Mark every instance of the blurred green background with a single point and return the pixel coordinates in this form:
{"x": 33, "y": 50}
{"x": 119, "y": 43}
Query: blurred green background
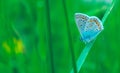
{"x": 40, "y": 36}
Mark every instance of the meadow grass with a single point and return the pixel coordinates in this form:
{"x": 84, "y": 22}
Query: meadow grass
{"x": 40, "y": 36}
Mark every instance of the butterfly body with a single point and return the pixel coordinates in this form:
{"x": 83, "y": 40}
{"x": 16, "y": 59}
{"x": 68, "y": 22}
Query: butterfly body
{"x": 89, "y": 27}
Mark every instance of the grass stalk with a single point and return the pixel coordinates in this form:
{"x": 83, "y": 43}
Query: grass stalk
{"x": 49, "y": 34}
{"x": 69, "y": 36}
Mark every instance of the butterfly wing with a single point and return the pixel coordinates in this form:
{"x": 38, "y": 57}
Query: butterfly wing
{"x": 92, "y": 29}
{"x": 81, "y": 20}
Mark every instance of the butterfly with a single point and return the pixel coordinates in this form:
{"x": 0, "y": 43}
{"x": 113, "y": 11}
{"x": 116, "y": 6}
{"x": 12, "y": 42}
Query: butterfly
{"x": 88, "y": 26}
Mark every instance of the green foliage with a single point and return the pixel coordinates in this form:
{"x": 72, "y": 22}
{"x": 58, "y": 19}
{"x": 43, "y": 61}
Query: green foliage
{"x": 40, "y": 36}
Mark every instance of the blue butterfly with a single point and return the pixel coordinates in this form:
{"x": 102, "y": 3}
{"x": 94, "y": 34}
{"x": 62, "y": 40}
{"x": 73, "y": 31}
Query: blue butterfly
{"x": 89, "y": 27}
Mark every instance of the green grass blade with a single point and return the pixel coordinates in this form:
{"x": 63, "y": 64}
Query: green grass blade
{"x": 108, "y": 12}
{"x": 69, "y": 36}
{"x": 83, "y": 56}
{"x": 50, "y": 35}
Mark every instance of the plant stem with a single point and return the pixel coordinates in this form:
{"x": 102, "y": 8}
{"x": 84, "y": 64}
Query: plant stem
{"x": 49, "y": 34}
{"x": 69, "y": 36}
{"x": 108, "y": 12}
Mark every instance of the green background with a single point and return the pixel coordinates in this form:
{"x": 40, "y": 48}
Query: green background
{"x": 40, "y": 36}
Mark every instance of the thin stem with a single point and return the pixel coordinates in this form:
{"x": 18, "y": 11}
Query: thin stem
{"x": 88, "y": 46}
{"x": 69, "y": 36}
{"x": 49, "y": 34}
{"x": 83, "y": 56}
{"x": 108, "y": 12}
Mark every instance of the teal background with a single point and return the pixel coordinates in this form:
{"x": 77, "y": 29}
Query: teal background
{"x": 40, "y": 36}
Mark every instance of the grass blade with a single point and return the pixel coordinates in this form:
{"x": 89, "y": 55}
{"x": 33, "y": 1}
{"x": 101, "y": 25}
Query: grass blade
{"x": 69, "y": 36}
{"x": 49, "y": 34}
